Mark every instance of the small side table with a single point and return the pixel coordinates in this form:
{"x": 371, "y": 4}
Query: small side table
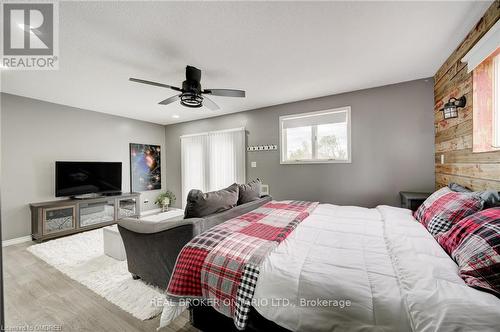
{"x": 113, "y": 244}
{"x": 412, "y": 200}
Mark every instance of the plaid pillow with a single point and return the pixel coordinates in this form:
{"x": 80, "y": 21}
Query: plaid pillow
{"x": 474, "y": 243}
{"x": 446, "y": 210}
{"x": 428, "y": 202}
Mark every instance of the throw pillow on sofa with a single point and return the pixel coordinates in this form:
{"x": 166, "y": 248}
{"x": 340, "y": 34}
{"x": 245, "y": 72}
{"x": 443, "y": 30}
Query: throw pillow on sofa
{"x": 446, "y": 209}
{"x": 249, "y": 192}
{"x": 201, "y": 204}
{"x": 474, "y": 243}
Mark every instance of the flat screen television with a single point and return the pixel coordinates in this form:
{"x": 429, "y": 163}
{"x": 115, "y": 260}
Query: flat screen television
{"x": 74, "y": 178}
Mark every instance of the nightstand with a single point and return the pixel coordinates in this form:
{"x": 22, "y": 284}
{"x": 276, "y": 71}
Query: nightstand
{"x": 412, "y": 200}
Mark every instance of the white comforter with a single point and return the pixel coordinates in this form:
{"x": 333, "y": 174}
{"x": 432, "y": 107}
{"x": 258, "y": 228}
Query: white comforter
{"x": 393, "y": 272}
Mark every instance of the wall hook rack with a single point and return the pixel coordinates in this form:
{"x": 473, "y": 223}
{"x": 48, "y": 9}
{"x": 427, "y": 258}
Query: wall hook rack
{"x": 268, "y": 147}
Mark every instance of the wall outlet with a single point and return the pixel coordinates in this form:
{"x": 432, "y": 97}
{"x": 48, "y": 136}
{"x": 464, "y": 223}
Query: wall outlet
{"x": 253, "y": 164}
{"x": 442, "y": 159}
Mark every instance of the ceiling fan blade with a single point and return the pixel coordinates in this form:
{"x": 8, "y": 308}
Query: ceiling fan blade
{"x": 161, "y": 85}
{"x": 170, "y": 100}
{"x": 225, "y": 92}
{"x": 209, "y": 103}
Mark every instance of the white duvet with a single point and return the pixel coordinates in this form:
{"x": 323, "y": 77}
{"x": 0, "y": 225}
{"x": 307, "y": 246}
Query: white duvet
{"x": 356, "y": 269}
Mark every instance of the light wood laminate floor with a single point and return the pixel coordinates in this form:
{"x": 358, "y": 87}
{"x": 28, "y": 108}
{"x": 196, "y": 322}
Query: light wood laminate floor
{"x": 38, "y": 294}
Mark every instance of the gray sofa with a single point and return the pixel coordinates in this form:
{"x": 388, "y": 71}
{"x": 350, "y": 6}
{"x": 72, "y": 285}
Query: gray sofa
{"x": 152, "y": 247}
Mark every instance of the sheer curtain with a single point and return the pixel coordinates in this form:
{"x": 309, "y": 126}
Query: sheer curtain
{"x": 193, "y": 164}
{"x": 213, "y": 160}
{"x": 226, "y": 158}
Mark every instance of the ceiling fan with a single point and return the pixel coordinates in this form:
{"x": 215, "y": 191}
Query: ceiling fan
{"x": 191, "y": 91}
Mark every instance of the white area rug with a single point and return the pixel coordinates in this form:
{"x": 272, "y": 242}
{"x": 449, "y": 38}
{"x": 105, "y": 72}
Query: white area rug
{"x": 81, "y": 257}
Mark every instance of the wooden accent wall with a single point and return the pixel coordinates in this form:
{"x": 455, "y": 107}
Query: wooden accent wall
{"x": 453, "y": 138}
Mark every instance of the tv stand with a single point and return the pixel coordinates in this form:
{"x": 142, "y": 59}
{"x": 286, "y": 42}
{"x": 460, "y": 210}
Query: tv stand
{"x": 86, "y": 196}
{"x": 69, "y": 216}
{"x": 116, "y": 193}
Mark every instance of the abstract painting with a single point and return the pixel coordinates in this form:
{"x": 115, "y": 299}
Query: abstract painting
{"x": 145, "y": 167}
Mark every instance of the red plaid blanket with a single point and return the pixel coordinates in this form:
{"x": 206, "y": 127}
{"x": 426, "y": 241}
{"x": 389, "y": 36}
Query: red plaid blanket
{"x": 222, "y": 264}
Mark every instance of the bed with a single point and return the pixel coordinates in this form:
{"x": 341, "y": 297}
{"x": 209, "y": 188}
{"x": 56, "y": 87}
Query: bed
{"x": 348, "y": 268}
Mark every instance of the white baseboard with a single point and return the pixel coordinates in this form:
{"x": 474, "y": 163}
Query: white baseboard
{"x": 18, "y": 240}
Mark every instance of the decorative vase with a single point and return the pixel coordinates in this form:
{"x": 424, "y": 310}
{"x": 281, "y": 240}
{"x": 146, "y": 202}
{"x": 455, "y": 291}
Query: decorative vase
{"x": 164, "y": 204}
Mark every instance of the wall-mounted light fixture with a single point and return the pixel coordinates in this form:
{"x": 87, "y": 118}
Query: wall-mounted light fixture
{"x": 450, "y": 109}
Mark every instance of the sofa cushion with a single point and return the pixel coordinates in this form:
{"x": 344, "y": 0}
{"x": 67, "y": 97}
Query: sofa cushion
{"x": 201, "y": 204}
{"x": 474, "y": 243}
{"x": 249, "y": 192}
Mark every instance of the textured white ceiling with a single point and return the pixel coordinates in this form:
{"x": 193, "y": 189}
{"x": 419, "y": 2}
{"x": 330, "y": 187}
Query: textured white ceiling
{"x": 278, "y": 52}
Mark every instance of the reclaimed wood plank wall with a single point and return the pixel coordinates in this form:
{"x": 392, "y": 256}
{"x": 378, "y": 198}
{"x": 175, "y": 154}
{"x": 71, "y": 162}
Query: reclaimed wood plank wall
{"x": 453, "y": 138}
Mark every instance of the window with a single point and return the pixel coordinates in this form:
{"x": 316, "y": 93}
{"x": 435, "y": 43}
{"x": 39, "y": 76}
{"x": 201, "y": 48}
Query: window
{"x": 316, "y": 137}
{"x": 485, "y": 105}
{"x": 211, "y": 161}
{"x": 496, "y": 101}
{"x": 483, "y": 61}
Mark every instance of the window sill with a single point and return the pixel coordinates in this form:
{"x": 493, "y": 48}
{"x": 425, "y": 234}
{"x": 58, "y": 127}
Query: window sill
{"x": 490, "y": 149}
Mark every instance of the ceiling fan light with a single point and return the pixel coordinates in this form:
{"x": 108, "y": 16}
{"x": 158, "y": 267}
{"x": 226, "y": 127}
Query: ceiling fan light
{"x": 190, "y": 99}
{"x": 190, "y": 93}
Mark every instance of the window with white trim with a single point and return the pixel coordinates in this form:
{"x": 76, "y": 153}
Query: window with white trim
{"x": 316, "y": 137}
{"x": 496, "y": 101}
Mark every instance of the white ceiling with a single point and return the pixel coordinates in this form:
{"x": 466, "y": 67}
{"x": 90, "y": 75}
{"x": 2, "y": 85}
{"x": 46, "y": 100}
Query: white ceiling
{"x": 278, "y": 52}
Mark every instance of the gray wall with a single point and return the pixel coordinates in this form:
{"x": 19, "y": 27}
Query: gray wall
{"x": 392, "y": 147}
{"x": 34, "y": 134}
